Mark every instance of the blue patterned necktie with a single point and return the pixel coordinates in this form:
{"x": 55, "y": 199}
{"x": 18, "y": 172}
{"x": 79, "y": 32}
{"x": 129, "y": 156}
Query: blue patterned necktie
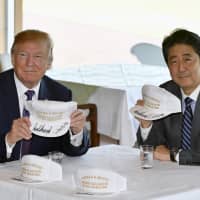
{"x": 25, "y": 144}
{"x": 187, "y": 124}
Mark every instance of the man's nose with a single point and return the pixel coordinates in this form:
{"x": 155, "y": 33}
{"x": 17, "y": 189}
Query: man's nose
{"x": 181, "y": 66}
{"x": 30, "y": 60}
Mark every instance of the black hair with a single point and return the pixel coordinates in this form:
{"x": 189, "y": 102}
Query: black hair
{"x": 180, "y": 36}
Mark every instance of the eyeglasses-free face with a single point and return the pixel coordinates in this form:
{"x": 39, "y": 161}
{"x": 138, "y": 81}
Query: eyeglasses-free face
{"x": 184, "y": 67}
{"x": 30, "y": 60}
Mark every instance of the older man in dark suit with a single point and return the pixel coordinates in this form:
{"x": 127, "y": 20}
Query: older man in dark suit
{"x": 177, "y": 136}
{"x": 31, "y": 56}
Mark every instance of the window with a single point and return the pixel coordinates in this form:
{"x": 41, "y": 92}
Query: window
{"x": 10, "y": 22}
{"x": 94, "y": 31}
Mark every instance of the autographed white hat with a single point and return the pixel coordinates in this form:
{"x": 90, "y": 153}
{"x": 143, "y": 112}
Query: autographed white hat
{"x": 158, "y": 103}
{"x": 99, "y": 181}
{"x": 35, "y": 168}
{"x": 50, "y": 118}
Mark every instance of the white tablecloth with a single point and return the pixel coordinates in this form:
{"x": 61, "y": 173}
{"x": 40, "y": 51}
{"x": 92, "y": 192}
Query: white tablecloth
{"x": 114, "y": 118}
{"x": 117, "y": 89}
{"x": 166, "y": 180}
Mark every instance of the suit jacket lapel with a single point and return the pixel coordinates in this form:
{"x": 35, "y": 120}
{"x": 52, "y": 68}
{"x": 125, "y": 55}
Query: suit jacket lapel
{"x": 11, "y": 96}
{"x": 43, "y": 91}
{"x": 178, "y": 119}
{"x": 196, "y": 124}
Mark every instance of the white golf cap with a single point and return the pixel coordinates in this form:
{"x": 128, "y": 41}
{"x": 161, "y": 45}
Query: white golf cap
{"x": 50, "y": 118}
{"x": 35, "y": 168}
{"x": 158, "y": 103}
{"x": 99, "y": 181}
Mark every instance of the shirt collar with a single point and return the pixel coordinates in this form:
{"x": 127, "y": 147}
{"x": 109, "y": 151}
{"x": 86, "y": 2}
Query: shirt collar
{"x": 193, "y": 95}
{"x": 21, "y": 88}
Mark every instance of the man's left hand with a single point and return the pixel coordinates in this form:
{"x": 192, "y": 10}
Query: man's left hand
{"x": 162, "y": 153}
{"x": 78, "y": 120}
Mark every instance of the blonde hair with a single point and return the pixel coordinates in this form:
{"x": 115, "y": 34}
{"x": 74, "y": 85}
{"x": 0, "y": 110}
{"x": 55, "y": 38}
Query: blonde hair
{"x": 34, "y": 35}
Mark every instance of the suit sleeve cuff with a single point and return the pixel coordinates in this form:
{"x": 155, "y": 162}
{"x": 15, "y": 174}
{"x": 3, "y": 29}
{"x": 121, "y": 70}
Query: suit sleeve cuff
{"x": 9, "y": 148}
{"x": 76, "y": 140}
{"x": 145, "y": 132}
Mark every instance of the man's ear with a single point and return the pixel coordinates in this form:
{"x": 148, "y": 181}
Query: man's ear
{"x": 50, "y": 60}
{"x": 12, "y": 59}
{"x": 49, "y": 66}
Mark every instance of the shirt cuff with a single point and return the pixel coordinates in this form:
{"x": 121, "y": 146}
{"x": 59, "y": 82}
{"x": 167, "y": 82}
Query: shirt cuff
{"x": 9, "y": 148}
{"x": 76, "y": 140}
{"x": 177, "y": 155}
{"x": 145, "y": 132}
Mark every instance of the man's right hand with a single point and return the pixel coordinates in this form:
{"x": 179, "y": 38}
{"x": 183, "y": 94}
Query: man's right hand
{"x": 143, "y": 123}
{"x": 20, "y": 130}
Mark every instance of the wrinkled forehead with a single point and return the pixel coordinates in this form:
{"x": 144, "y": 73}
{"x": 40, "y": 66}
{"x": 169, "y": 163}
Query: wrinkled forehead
{"x": 32, "y": 48}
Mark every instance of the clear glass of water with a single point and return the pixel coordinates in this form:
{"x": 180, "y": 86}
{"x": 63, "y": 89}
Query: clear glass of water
{"x": 146, "y": 156}
{"x": 56, "y": 156}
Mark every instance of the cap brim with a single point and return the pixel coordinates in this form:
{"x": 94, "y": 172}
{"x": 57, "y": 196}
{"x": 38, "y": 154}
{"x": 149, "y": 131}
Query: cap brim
{"x": 142, "y": 112}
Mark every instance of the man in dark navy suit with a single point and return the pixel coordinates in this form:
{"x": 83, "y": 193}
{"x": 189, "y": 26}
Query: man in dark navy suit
{"x": 31, "y": 55}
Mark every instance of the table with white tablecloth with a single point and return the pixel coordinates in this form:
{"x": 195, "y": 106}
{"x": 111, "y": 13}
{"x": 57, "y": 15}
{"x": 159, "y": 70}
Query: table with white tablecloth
{"x": 114, "y": 89}
{"x": 166, "y": 180}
